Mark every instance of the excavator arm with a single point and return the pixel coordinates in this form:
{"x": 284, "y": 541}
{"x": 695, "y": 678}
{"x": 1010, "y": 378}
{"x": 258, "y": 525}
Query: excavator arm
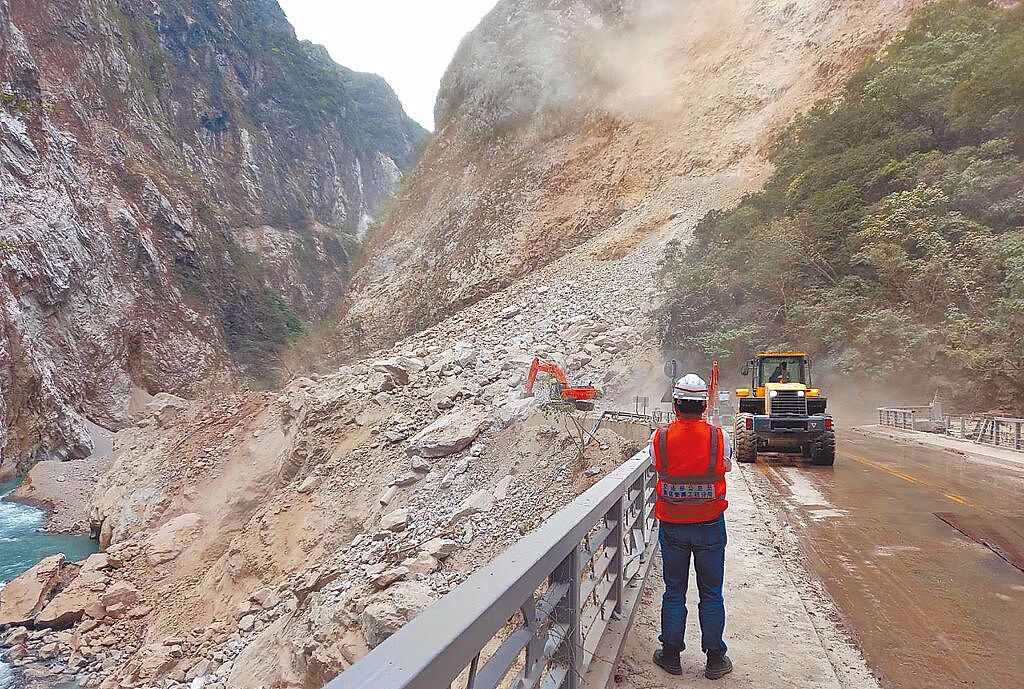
{"x": 539, "y": 366}
{"x": 712, "y": 389}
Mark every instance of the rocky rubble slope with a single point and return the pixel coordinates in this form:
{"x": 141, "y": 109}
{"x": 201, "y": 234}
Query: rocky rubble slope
{"x": 275, "y": 538}
{"x": 181, "y": 186}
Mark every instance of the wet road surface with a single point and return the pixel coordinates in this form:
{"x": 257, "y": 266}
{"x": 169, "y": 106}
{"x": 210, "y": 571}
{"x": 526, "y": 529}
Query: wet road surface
{"x": 929, "y": 606}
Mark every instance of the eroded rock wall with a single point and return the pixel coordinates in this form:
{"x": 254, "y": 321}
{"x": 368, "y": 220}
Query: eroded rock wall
{"x": 182, "y": 186}
{"x": 559, "y": 122}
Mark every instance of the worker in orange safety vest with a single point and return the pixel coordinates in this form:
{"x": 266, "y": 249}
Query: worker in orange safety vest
{"x": 692, "y": 457}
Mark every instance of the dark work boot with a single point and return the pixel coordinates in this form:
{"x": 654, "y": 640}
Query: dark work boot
{"x": 718, "y": 665}
{"x": 668, "y": 660}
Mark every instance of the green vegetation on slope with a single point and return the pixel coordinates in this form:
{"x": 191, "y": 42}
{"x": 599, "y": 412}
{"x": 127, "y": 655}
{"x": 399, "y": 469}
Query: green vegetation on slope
{"x": 890, "y": 240}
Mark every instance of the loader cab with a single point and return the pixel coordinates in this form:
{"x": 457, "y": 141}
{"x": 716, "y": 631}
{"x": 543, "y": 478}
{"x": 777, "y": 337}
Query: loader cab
{"x": 783, "y": 368}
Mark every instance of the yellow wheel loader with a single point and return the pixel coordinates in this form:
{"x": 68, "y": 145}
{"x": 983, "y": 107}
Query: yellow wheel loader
{"x": 782, "y": 411}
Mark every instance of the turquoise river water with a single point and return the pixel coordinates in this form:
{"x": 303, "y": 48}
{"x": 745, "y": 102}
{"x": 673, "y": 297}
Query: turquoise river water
{"x": 23, "y": 543}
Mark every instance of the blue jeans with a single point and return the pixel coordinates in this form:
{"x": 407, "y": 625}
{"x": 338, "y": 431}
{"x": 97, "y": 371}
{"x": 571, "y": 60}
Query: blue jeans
{"x": 706, "y": 542}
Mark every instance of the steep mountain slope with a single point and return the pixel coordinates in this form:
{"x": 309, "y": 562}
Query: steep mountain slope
{"x": 303, "y": 527}
{"x": 182, "y": 184}
{"x": 558, "y": 122}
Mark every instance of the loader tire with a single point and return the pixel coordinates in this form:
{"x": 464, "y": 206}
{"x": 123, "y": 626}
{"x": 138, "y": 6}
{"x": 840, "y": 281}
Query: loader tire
{"x": 824, "y": 452}
{"x": 746, "y": 441}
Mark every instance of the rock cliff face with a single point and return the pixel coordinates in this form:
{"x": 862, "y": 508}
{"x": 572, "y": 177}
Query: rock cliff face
{"x": 182, "y": 185}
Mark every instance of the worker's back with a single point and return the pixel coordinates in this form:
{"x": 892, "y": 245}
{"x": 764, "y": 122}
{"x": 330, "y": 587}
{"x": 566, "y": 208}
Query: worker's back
{"x": 689, "y": 456}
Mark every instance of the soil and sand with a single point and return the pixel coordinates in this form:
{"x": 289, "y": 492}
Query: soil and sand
{"x": 64, "y": 489}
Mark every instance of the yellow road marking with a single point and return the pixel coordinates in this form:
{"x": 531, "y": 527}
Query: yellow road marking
{"x": 958, "y": 499}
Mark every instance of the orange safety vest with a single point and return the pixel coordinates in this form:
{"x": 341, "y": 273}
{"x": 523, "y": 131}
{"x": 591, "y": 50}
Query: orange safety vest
{"x": 689, "y": 456}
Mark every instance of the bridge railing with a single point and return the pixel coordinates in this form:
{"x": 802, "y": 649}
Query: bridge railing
{"x": 898, "y": 417}
{"x": 999, "y": 431}
{"x": 551, "y": 611}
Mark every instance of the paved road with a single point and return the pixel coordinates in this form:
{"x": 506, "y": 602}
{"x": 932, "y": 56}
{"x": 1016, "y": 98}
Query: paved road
{"x": 929, "y": 606}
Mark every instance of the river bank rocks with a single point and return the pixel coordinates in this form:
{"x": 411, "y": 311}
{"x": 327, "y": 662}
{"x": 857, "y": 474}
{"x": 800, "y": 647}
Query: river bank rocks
{"x": 22, "y": 599}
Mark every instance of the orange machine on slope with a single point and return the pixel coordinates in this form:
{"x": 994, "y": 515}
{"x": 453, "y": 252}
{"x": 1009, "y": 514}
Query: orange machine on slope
{"x": 712, "y": 391}
{"x": 581, "y": 397}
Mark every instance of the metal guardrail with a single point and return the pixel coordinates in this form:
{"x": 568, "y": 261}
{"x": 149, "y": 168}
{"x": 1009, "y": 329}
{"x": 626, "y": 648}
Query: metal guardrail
{"x": 898, "y": 417}
{"x": 998, "y": 431}
{"x": 551, "y": 611}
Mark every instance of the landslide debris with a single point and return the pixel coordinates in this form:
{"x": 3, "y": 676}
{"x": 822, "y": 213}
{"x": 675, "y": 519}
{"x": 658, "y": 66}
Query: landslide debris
{"x": 595, "y": 122}
{"x": 308, "y": 525}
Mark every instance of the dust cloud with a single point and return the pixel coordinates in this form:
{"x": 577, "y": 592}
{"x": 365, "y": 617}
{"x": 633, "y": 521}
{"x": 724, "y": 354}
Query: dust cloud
{"x": 615, "y": 57}
{"x": 852, "y": 401}
{"x": 634, "y": 66}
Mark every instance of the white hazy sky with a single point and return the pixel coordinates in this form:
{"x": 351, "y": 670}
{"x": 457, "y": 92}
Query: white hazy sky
{"x": 408, "y": 42}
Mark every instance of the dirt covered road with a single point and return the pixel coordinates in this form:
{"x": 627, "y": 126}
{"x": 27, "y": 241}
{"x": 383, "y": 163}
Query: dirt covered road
{"x": 895, "y": 532}
{"x": 877, "y": 563}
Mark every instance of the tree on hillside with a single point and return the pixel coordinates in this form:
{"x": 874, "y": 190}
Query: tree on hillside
{"x": 890, "y": 240}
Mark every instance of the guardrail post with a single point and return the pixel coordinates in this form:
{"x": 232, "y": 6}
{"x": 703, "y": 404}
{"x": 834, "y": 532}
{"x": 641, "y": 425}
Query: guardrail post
{"x": 567, "y": 613}
{"x": 534, "y": 663}
{"x": 618, "y": 541}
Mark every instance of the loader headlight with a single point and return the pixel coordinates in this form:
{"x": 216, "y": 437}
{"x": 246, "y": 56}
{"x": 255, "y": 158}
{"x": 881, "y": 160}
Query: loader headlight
{"x": 773, "y": 393}
{"x": 799, "y": 393}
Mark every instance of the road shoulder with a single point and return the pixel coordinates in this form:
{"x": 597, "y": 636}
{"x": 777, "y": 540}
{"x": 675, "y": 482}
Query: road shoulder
{"x": 1009, "y": 458}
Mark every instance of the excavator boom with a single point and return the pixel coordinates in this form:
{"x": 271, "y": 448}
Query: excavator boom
{"x": 580, "y": 396}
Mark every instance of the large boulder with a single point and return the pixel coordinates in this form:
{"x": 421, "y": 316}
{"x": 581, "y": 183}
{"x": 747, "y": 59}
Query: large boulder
{"x": 166, "y": 408}
{"x": 443, "y": 398}
{"x": 480, "y": 501}
{"x": 23, "y": 598}
{"x": 441, "y": 548}
{"x": 395, "y": 521}
{"x": 464, "y": 353}
{"x": 69, "y": 606}
{"x": 122, "y": 593}
{"x": 173, "y": 537}
{"x": 515, "y": 409}
{"x": 449, "y": 434}
{"x": 400, "y": 368}
{"x": 390, "y": 610}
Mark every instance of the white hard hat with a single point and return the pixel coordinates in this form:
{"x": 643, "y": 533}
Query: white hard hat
{"x": 690, "y": 387}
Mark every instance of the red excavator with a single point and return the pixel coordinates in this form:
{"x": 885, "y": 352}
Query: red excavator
{"x": 581, "y": 397}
